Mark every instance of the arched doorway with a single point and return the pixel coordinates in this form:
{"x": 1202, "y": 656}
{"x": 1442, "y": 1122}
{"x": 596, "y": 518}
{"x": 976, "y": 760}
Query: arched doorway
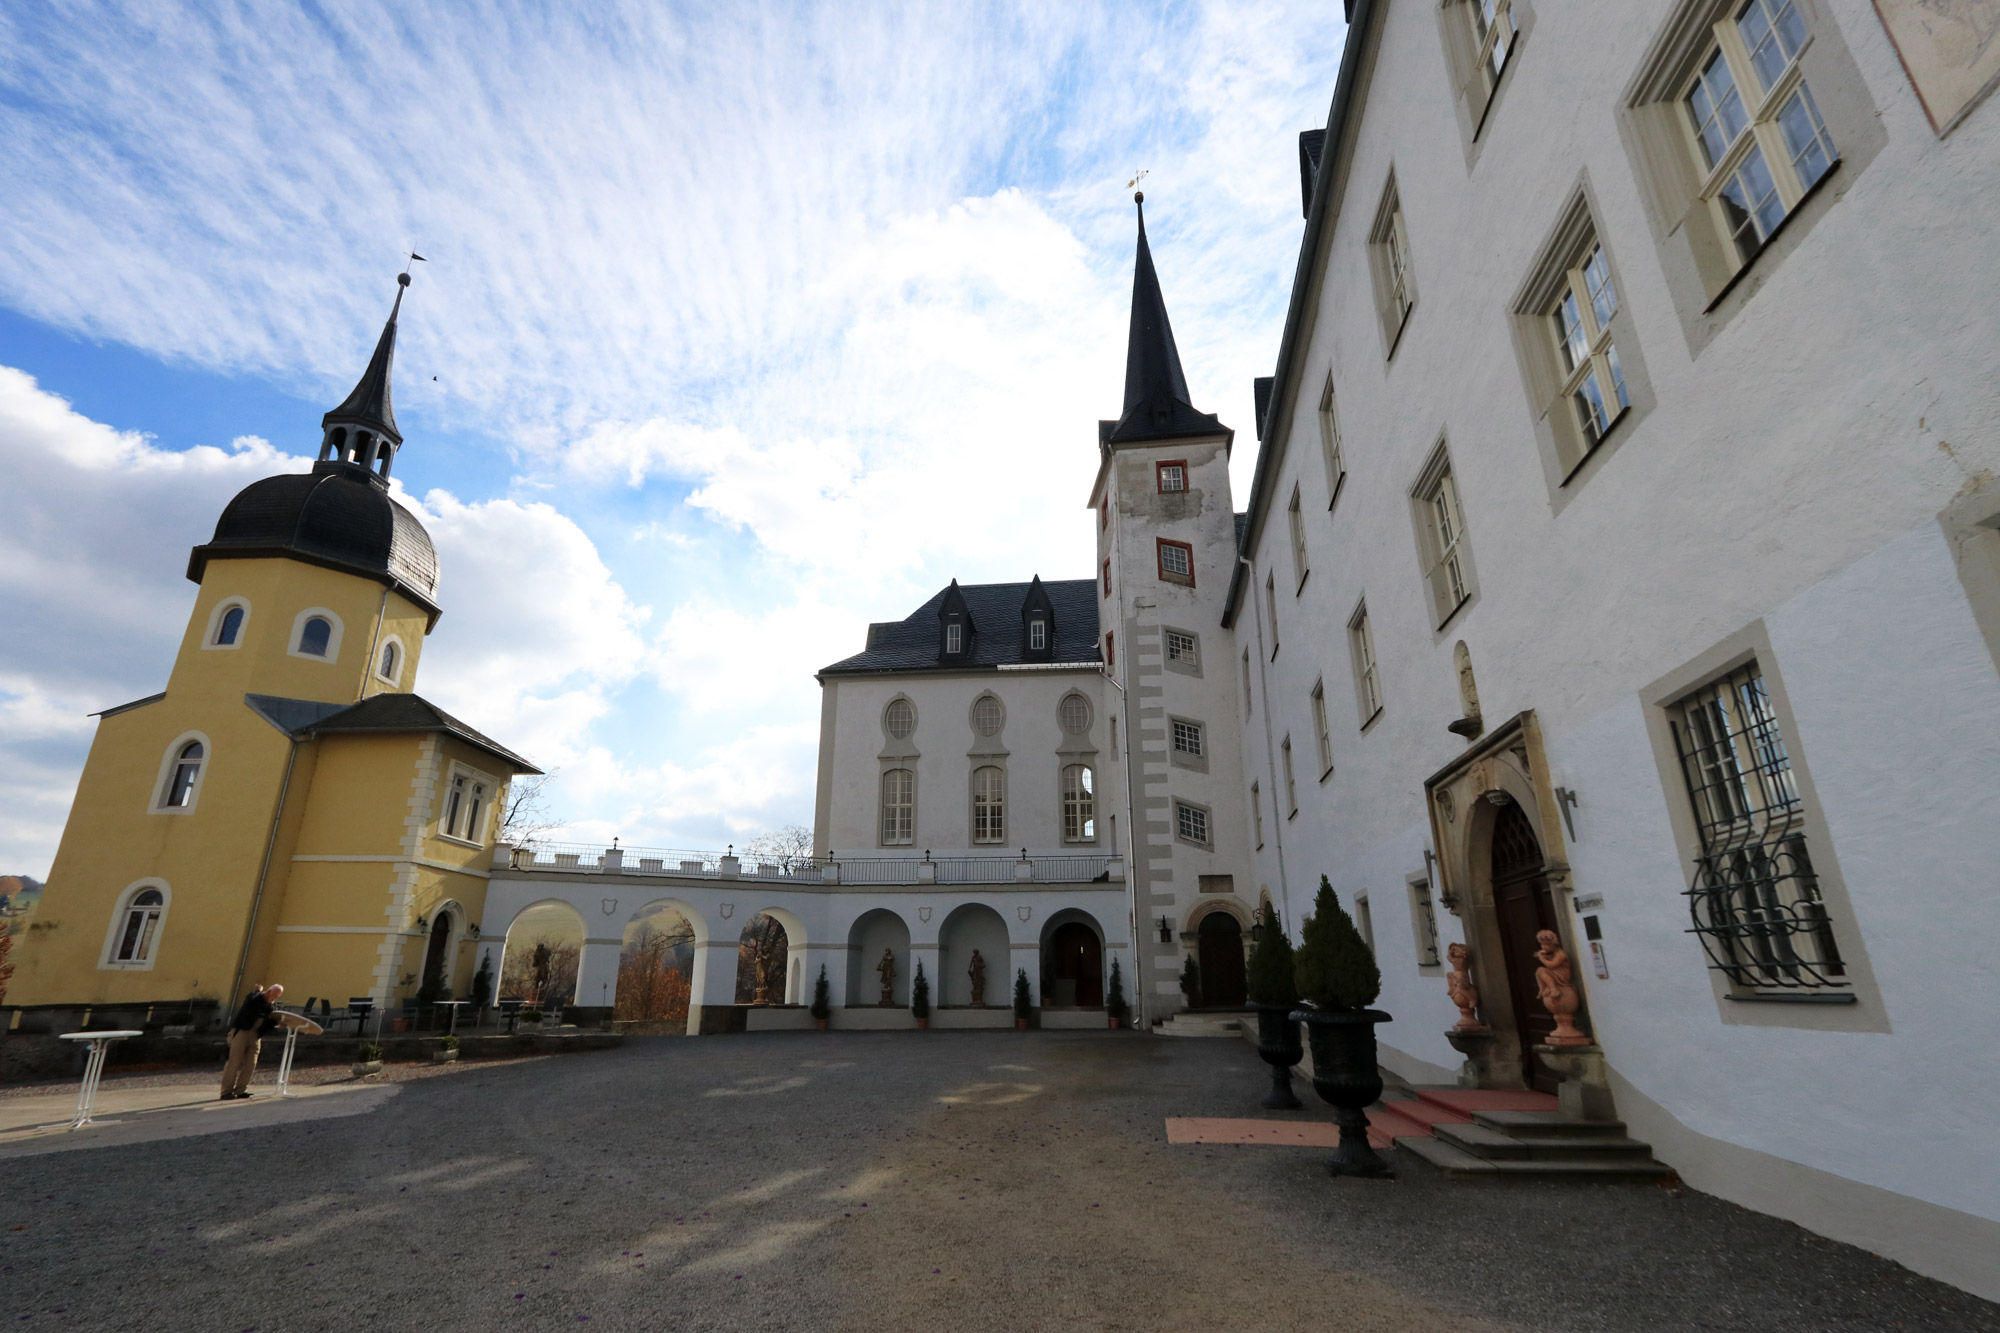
{"x": 656, "y": 968}
{"x": 1073, "y": 967}
{"x": 544, "y": 945}
{"x": 1523, "y": 907}
{"x": 1220, "y": 941}
{"x": 435, "y": 979}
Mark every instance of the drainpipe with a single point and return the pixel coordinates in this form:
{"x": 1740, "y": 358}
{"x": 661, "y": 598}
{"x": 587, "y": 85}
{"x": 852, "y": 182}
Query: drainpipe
{"x": 263, "y": 877}
{"x": 1270, "y": 746}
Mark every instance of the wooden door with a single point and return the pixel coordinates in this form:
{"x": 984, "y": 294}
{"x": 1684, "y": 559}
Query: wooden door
{"x": 1221, "y": 961}
{"x": 1524, "y": 907}
{"x": 1079, "y": 966}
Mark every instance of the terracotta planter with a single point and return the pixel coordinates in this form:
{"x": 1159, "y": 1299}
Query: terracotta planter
{"x": 1279, "y": 1046}
{"x": 363, "y": 1068}
{"x": 822, "y": 1024}
{"x": 1020, "y": 1025}
{"x": 401, "y": 1024}
{"x": 1347, "y": 1078}
{"x": 1115, "y": 1021}
{"x": 923, "y": 1024}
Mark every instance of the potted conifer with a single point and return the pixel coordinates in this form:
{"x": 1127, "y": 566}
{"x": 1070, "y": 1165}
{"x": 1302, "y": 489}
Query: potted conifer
{"x": 822, "y": 1005}
{"x": 1337, "y": 981}
{"x": 1115, "y": 1006}
{"x": 367, "y": 1060}
{"x": 446, "y": 1052}
{"x": 1191, "y": 983}
{"x": 1274, "y": 995}
{"x": 1021, "y": 1006}
{"x": 920, "y": 997}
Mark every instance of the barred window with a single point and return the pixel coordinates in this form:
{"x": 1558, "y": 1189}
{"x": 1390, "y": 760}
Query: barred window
{"x": 1187, "y": 737}
{"x": 899, "y": 807}
{"x": 1181, "y": 648}
{"x": 989, "y": 788}
{"x": 1079, "y": 804}
{"x": 1191, "y": 822}
{"x": 899, "y": 719}
{"x": 1754, "y": 897}
{"x": 1758, "y": 134}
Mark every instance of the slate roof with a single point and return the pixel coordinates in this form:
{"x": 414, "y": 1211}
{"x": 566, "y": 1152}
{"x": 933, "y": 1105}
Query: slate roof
{"x": 386, "y": 714}
{"x": 1156, "y": 391}
{"x": 911, "y": 644}
{"x": 370, "y": 404}
{"x": 339, "y": 515}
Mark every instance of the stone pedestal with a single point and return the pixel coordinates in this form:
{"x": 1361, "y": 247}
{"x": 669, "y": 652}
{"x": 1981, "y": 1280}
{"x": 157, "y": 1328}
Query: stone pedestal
{"x": 1476, "y": 1045}
{"x": 1585, "y": 1093}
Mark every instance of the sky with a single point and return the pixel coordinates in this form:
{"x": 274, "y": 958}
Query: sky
{"x": 740, "y": 326}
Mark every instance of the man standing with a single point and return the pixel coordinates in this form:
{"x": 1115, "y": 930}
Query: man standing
{"x": 246, "y": 1033}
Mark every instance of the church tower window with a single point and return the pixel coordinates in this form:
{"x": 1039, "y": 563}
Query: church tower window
{"x": 230, "y": 627}
{"x": 183, "y": 777}
{"x": 316, "y": 636}
{"x": 391, "y": 661}
{"x": 136, "y": 929}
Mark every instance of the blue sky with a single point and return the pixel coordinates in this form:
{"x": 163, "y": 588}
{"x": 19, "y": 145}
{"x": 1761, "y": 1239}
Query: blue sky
{"x": 742, "y": 326}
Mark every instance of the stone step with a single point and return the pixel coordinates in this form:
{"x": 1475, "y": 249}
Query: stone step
{"x": 1453, "y": 1160}
{"x": 1548, "y": 1124}
{"x": 1482, "y": 1141}
{"x": 1203, "y": 1025}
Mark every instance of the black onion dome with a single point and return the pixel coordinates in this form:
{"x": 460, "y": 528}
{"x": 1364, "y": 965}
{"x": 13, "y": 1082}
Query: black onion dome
{"x": 339, "y": 516}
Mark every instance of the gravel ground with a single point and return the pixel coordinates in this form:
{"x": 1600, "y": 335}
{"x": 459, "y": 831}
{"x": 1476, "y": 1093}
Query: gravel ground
{"x": 879, "y": 1181}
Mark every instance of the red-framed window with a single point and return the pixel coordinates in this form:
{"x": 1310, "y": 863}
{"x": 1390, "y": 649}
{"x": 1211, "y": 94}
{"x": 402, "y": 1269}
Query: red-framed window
{"x": 1107, "y": 578}
{"x": 1104, "y": 513}
{"x": 1110, "y": 650}
{"x": 1176, "y": 562}
{"x": 1172, "y": 476}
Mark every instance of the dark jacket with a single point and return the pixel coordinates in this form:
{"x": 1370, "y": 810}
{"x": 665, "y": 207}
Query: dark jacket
{"x": 257, "y": 1015}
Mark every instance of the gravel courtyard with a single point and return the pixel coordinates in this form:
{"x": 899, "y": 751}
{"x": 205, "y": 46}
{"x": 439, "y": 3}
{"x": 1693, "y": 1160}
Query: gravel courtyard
{"x": 883, "y": 1182}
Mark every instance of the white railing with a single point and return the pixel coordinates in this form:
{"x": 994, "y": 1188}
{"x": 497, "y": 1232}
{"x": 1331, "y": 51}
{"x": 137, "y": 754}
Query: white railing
{"x": 595, "y": 859}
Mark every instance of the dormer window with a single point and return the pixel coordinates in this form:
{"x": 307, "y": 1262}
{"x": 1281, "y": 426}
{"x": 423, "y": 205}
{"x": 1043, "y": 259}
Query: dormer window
{"x": 954, "y": 638}
{"x": 1038, "y": 635}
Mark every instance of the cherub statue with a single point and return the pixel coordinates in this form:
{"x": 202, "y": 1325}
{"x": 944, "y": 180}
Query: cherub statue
{"x": 1463, "y": 993}
{"x": 978, "y": 974}
{"x": 1556, "y": 986}
{"x": 887, "y": 969}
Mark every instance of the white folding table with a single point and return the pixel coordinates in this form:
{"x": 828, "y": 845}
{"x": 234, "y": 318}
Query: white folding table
{"x": 293, "y": 1024}
{"x": 93, "y": 1068}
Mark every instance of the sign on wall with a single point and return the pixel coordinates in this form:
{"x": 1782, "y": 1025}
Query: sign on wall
{"x": 1950, "y": 49}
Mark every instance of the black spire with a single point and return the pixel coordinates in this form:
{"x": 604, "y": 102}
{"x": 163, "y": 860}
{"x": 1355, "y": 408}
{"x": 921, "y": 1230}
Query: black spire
{"x": 363, "y": 428}
{"x": 1156, "y": 392}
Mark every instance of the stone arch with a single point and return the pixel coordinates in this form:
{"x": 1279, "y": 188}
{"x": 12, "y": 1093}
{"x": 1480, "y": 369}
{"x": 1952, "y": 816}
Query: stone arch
{"x": 764, "y": 952}
{"x": 554, "y": 922}
{"x": 970, "y": 927}
{"x": 872, "y": 932}
{"x": 1075, "y": 970}
{"x": 657, "y": 957}
{"x": 797, "y": 985}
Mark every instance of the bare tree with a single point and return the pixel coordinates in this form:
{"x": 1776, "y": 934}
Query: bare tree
{"x": 788, "y": 848}
{"x": 527, "y": 819}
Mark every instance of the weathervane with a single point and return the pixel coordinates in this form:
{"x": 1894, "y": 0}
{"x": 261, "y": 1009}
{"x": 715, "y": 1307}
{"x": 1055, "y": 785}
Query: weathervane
{"x": 417, "y": 258}
{"x": 1137, "y": 176}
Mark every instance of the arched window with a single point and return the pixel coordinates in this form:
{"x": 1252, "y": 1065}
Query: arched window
{"x": 229, "y": 627}
{"x": 899, "y": 719}
{"x": 384, "y": 451}
{"x": 899, "y": 806}
{"x": 1074, "y": 714}
{"x": 181, "y": 778}
{"x": 314, "y": 638}
{"x": 392, "y": 658}
{"x": 986, "y": 715}
{"x": 140, "y": 929}
{"x": 989, "y": 792}
{"x": 362, "y": 440}
{"x": 1079, "y": 804}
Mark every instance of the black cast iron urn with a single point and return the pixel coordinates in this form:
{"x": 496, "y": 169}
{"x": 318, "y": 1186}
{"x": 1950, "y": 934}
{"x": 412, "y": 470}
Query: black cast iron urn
{"x": 1279, "y": 1046}
{"x": 1348, "y": 1079}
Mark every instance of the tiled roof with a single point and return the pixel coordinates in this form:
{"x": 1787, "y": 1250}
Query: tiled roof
{"x": 911, "y": 644}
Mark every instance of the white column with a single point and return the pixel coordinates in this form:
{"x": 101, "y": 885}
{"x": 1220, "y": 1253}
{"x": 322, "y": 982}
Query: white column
{"x": 713, "y": 985}
{"x": 597, "y": 972}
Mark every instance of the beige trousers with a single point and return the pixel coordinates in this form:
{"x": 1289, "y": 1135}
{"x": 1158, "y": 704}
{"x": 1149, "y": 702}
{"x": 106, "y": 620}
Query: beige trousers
{"x": 242, "y": 1061}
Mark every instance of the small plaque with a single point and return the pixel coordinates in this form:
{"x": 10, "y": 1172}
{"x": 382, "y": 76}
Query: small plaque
{"x": 1587, "y": 902}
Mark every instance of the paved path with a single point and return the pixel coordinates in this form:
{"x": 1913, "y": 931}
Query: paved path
{"x": 880, "y": 1182}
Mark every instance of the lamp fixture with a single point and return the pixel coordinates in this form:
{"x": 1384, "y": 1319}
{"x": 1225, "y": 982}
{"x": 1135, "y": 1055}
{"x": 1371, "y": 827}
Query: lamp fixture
{"x": 1166, "y": 931}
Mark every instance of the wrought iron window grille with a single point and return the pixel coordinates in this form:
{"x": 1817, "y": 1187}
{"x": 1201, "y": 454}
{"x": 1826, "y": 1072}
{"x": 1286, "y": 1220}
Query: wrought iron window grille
{"x": 1754, "y": 897}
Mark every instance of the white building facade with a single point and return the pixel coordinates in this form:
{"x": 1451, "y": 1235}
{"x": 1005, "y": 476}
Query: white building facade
{"x": 1622, "y": 560}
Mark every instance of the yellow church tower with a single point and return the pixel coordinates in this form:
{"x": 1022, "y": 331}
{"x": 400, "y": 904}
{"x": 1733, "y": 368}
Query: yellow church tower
{"x": 287, "y": 809}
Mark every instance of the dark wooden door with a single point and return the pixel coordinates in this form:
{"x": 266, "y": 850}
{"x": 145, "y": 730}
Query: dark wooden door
{"x": 1221, "y": 961}
{"x": 1524, "y": 907}
{"x": 1079, "y": 966}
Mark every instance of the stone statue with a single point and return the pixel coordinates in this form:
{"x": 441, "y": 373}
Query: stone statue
{"x": 887, "y": 968}
{"x": 1463, "y": 993}
{"x": 1557, "y": 989}
{"x": 978, "y": 974}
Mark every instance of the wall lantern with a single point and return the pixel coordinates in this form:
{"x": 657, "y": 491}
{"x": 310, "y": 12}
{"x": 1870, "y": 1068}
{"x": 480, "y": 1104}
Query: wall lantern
{"x": 1166, "y": 931}
{"x": 1257, "y": 925}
